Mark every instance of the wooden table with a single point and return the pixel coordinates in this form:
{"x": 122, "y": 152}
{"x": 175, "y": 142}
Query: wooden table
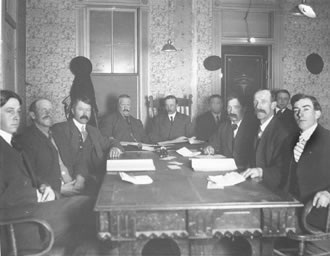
{"x": 178, "y": 205}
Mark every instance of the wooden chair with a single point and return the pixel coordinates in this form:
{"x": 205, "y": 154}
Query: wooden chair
{"x": 8, "y": 225}
{"x": 312, "y": 234}
{"x": 156, "y": 106}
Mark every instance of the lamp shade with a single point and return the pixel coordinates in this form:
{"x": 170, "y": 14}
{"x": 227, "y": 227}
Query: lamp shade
{"x": 169, "y": 47}
{"x": 307, "y": 10}
{"x": 296, "y": 12}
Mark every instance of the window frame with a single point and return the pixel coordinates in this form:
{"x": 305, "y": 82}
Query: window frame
{"x": 86, "y": 38}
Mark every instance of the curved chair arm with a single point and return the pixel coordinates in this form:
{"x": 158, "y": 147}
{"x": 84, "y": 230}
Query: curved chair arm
{"x": 49, "y": 232}
{"x": 313, "y": 234}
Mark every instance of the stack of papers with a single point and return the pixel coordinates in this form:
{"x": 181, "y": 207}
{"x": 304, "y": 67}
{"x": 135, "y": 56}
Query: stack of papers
{"x": 187, "y": 153}
{"x": 129, "y": 165}
{"x": 137, "y": 180}
{"x": 213, "y": 164}
{"x": 221, "y": 181}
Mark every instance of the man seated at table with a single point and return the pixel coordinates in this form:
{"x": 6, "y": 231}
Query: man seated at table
{"x": 309, "y": 177}
{"x": 271, "y": 143}
{"x": 121, "y": 125}
{"x": 208, "y": 123}
{"x": 284, "y": 113}
{"x": 171, "y": 125}
{"x": 65, "y": 176}
{"x": 234, "y": 138}
{"x": 22, "y": 194}
{"x": 79, "y": 141}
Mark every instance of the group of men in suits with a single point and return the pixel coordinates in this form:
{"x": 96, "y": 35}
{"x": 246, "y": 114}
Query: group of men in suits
{"x": 51, "y": 171}
{"x": 66, "y": 161}
{"x": 166, "y": 126}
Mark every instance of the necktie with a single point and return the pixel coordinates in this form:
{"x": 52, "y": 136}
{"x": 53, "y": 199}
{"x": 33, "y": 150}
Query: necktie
{"x": 299, "y": 148}
{"x": 234, "y": 127}
{"x": 259, "y": 133}
{"x": 218, "y": 120}
{"x": 172, "y": 120}
{"x": 15, "y": 145}
{"x": 83, "y": 133}
{"x": 50, "y": 135}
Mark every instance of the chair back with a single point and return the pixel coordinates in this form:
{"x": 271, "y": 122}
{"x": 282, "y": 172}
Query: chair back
{"x": 8, "y": 227}
{"x": 156, "y": 106}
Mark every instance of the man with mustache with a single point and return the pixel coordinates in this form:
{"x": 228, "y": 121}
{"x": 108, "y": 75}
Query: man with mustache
{"x": 271, "y": 148}
{"x": 66, "y": 177}
{"x": 23, "y": 196}
{"x": 208, "y": 123}
{"x": 121, "y": 125}
{"x": 233, "y": 138}
{"x": 84, "y": 144}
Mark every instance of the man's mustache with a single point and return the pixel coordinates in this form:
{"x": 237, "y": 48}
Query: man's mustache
{"x": 125, "y": 110}
{"x": 232, "y": 115}
{"x": 84, "y": 117}
{"x": 260, "y": 111}
{"x": 45, "y": 117}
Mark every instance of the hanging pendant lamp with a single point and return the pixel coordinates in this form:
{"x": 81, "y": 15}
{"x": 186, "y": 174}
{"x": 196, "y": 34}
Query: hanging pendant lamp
{"x": 169, "y": 47}
{"x": 303, "y": 9}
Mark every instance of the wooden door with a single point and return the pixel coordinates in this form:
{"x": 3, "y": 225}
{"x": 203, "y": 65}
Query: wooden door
{"x": 244, "y": 71}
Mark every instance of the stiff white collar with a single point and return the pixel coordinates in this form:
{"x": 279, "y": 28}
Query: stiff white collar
{"x": 81, "y": 127}
{"x": 308, "y": 133}
{"x": 171, "y": 115}
{"x": 6, "y": 136}
{"x": 264, "y": 125}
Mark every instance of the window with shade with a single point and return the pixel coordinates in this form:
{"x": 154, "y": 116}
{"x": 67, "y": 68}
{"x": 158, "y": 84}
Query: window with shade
{"x": 112, "y": 40}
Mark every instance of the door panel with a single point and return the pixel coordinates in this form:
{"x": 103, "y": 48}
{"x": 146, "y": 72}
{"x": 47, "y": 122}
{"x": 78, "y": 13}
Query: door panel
{"x": 244, "y": 71}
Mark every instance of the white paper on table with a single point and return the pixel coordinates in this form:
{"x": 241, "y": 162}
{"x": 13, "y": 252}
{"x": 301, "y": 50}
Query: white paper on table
{"x": 212, "y": 185}
{"x": 174, "y": 167}
{"x": 175, "y": 163}
{"x": 213, "y": 164}
{"x": 187, "y": 153}
{"x": 137, "y": 180}
{"x": 114, "y": 165}
{"x": 167, "y": 158}
{"x": 194, "y": 141}
{"x": 228, "y": 179}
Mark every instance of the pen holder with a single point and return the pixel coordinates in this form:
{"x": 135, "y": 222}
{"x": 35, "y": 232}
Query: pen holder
{"x": 163, "y": 152}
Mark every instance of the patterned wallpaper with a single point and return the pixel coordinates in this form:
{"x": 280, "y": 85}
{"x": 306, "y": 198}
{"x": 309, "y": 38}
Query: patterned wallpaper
{"x": 189, "y": 25}
{"x": 303, "y": 36}
{"x": 51, "y": 44}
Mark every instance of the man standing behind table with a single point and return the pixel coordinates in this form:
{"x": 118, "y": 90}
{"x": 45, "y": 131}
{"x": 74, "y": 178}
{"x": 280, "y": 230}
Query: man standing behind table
{"x": 66, "y": 178}
{"x": 271, "y": 146}
{"x": 121, "y": 125}
{"x": 22, "y": 195}
{"x": 284, "y": 113}
{"x": 79, "y": 141}
{"x": 171, "y": 125}
{"x": 309, "y": 177}
{"x": 234, "y": 138}
{"x": 208, "y": 123}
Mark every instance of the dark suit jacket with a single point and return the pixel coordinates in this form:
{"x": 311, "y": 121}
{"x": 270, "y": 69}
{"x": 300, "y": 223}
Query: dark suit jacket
{"x": 272, "y": 152}
{"x": 17, "y": 183}
{"x": 162, "y": 130}
{"x": 95, "y": 150}
{"x": 311, "y": 174}
{"x": 18, "y": 198}
{"x": 43, "y": 156}
{"x": 288, "y": 121}
{"x": 206, "y": 125}
{"x": 115, "y": 125}
{"x": 241, "y": 148}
